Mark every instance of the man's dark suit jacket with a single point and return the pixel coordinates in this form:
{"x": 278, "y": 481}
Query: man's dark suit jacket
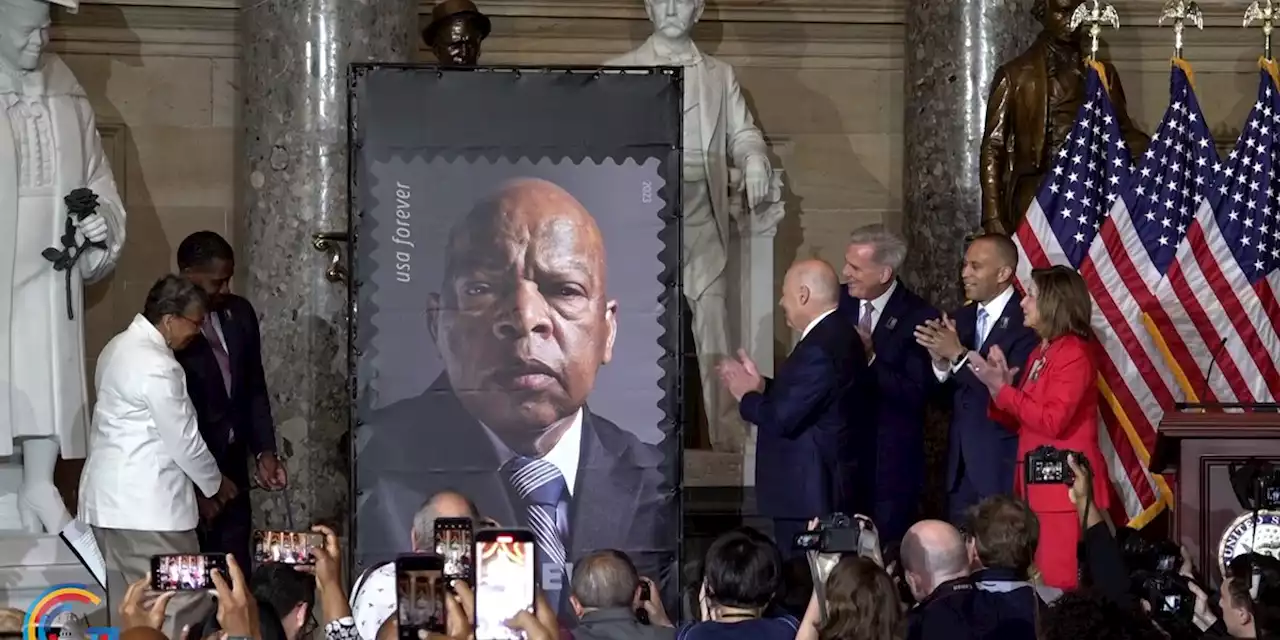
{"x": 233, "y": 426}
{"x": 988, "y": 450}
{"x": 420, "y": 446}
{"x": 240, "y": 424}
{"x": 902, "y": 376}
{"x": 809, "y": 429}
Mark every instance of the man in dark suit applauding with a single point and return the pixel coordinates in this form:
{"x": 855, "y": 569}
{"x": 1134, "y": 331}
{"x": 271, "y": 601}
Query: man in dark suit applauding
{"x": 981, "y": 454}
{"x": 886, "y": 314}
{"x": 223, "y": 366}
{"x": 807, "y": 416}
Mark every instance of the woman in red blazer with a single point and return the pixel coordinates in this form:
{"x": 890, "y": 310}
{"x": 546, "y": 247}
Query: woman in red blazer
{"x": 1054, "y": 403}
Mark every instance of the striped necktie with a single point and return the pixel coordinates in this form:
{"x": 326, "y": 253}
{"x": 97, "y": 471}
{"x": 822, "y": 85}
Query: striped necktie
{"x": 542, "y": 488}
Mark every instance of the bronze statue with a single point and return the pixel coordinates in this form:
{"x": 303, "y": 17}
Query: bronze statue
{"x": 1033, "y": 104}
{"x": 456, "y": 30}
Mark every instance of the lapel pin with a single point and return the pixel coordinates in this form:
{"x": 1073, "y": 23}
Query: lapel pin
{"x": 893, "y": 322}
{"x": 1004, "y": 323}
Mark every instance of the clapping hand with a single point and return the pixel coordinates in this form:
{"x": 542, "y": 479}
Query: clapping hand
{"x": 940, "y": 338}
{"x": 740, "y": 375}
{"x": 992, "y": 370}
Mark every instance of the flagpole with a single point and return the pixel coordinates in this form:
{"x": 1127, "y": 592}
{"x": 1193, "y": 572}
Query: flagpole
{"x": 1096, "y": 13}
{"x": 1180, "y": 11}
{"x": 1264, "y": 12}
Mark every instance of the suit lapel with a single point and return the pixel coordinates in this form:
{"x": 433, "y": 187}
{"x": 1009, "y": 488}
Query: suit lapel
{"x": 1010, "y": 315}
{"x": 612, "y": 491}
{"x": 890, "y": 317}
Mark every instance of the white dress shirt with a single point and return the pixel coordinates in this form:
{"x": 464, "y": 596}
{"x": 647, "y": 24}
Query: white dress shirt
{"x": 877, "y": 305}
{"x": 994, "y": 308}
{"x": 822, "y": 316}
{"x": 145, "y": 449}
{"x": 564, "y": 455}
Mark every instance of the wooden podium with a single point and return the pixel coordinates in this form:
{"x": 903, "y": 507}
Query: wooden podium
{"x": 1199, "y": 445}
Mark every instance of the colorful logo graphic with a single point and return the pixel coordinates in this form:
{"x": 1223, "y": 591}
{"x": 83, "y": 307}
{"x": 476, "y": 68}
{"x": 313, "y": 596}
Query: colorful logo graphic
{"x": 58, "y": 600}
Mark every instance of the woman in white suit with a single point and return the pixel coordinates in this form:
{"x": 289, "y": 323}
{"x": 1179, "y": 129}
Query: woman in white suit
{"x": 146, "y": 456}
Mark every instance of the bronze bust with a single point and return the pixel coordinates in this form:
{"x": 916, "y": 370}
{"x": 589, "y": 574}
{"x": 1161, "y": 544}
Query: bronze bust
{"x": 456, "y": 30}
{"x": 1030, "y": 111}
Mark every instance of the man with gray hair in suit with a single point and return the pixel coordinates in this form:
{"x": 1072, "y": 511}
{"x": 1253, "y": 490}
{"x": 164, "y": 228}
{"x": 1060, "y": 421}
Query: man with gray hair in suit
{"x": 607, "y": 591}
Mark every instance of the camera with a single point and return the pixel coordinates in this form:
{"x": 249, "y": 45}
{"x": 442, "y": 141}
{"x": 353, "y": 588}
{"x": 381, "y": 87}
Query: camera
{"x": 1141, "y": 554}
{"x": 1256, "y": 484}
{"x": 835, "y": 533}
{"x": 1048, "y": 465}
{"x": 1168, "y": 594}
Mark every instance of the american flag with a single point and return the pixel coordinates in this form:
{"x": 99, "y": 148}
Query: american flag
{"x": 1217, "y": 306}
{"x": 1127, "y": 262}
{"x": 1069, "y": 223}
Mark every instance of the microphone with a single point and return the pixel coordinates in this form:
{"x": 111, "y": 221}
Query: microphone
{"x": 1217, "y": 352}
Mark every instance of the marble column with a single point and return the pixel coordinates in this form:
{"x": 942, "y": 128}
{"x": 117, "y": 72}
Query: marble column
{"x": 294, "y": 119}
{"x": 953, "y": 48}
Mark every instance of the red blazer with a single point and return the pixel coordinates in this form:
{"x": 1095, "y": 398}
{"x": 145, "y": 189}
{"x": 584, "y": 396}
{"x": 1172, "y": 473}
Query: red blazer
{"x": 1055, "y": 403}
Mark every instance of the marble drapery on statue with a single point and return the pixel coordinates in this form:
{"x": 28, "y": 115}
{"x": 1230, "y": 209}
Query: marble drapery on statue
{"x": 718, "y": 128}
{"x": 49, "y": 146}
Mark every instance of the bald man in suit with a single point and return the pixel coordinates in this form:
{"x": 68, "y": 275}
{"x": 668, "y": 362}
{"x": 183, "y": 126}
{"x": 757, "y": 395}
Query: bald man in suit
{"x": 808, "y": 415}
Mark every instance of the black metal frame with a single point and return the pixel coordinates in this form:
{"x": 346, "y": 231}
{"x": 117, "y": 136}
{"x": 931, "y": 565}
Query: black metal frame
{"x": 672, "y": 339}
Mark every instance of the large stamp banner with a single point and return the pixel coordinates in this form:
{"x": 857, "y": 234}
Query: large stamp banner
{"x": 516, "y": 266}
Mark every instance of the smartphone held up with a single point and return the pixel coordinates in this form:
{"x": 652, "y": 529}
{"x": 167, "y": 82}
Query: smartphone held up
{"x": 286, "y": 547}
{"x": 185, "y": 571}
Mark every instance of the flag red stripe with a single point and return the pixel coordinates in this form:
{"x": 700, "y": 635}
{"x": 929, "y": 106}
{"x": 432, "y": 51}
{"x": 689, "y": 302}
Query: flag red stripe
{"x": 1239, "y": 318}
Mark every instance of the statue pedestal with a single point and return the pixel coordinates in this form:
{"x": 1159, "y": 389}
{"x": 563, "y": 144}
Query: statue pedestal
{"x": 751, "y": 286}
{"x": 31, "y": 563}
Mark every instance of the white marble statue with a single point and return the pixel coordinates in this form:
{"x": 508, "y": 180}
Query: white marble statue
{"x": 718, "y": 128}
{"x": 49, "y": 146}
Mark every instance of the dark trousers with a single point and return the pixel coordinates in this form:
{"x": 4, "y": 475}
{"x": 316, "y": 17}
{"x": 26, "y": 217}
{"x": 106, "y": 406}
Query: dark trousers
{"x": 963, "y": 494}
{"x": 231, "y": 529}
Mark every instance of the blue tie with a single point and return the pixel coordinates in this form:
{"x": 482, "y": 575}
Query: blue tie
{"x": 545, "y": 494}
{"x": 982, "y": 329}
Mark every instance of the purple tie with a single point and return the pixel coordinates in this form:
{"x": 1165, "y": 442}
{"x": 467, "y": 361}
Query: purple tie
{"x": 219, "y": 353}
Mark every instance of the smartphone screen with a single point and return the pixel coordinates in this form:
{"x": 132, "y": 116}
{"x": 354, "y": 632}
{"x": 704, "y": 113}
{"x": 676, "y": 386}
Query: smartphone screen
{"x": 504, "y": 580}
{"x": 286, "y": 547}
{"x": 185, "y": 571}
{"x": 420, "y": 594}
{"x": 453, "y": 544}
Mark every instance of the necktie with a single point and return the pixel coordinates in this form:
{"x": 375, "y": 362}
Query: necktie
{"x": 219, "y": 353}
{"x": 982, "y": 329}
{"x": 545, "y": 494}
{"x": 868, "y": 318}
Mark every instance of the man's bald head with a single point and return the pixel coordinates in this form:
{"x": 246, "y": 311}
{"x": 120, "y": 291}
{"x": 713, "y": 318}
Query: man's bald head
{"x": 809, "y": 289}
{"x": 446, "y": 504}
{"x": 933, "y": 552}
{"x": 523, "y": 322}
{"x": 605, "y": 580}
{"x": 518, "y": 212}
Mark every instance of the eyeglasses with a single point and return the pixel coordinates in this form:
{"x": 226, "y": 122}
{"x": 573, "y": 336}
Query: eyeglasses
{"x": 195, "y": 325}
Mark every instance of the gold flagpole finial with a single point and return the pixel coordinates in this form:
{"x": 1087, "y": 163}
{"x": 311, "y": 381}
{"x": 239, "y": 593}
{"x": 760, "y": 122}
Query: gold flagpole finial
{"x": 1096, "y": 13}
{"x": 1181, "y": 11}
{"x": 1265, "y": 12}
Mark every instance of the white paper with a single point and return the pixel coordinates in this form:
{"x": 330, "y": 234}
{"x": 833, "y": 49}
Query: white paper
{"x": 80, "y": 538}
